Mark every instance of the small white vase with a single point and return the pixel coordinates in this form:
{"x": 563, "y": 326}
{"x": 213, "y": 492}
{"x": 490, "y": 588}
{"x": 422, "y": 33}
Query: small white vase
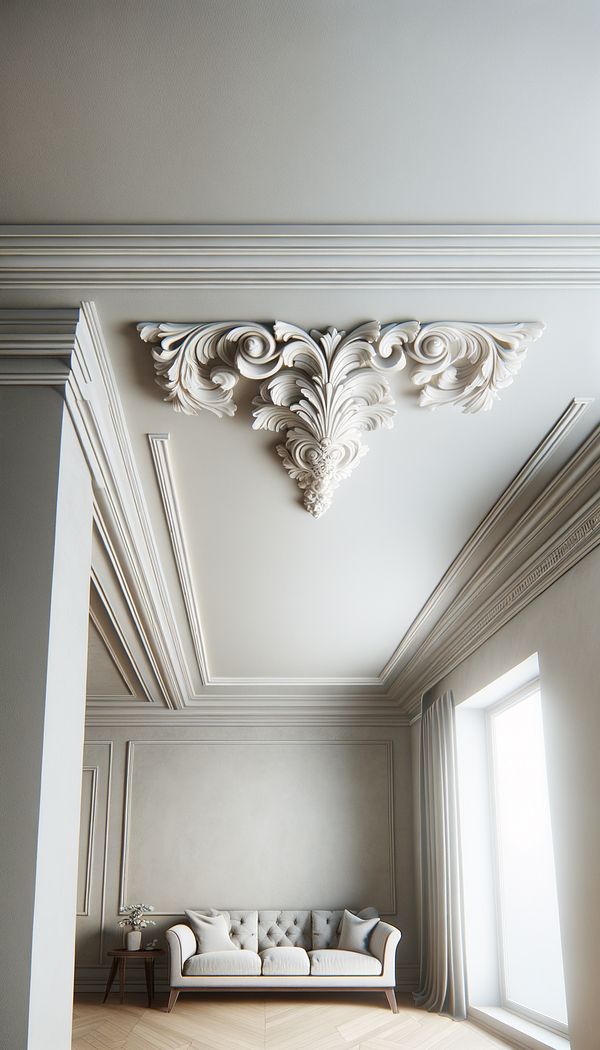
{"x": 134, "y": 940}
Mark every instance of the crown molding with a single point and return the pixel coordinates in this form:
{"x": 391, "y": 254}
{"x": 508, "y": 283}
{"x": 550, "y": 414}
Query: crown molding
{"x": 299, "y": 256}
{"x": 557, "y": 530}
{"x": 263, "y": 711}
{"x": 113, "y": 657}
{"x": 351, "y": 685}
{"x": 107, "y": 624}
{"x": 159, "y": 448}
{"x": 71, "y": 342}
{"x": 465, "y": 562}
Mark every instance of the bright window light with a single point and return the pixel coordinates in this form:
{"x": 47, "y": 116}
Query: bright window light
{"x": 531, "y": 968}
{"x": 512, "y": 935}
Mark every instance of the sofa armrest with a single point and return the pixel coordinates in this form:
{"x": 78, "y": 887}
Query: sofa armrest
{"x": 182, "y": 945}
{"x": 384, "y": 941}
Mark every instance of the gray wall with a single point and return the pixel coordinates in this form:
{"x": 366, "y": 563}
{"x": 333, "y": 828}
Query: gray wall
{"x": 562, "y": 626}
{"x": 45, "y": 544}
{"x": 244, "y": 817}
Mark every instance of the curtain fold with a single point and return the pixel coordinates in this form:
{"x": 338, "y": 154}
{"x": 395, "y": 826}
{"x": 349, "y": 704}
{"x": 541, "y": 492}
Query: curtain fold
{"x": 442, "y": 981}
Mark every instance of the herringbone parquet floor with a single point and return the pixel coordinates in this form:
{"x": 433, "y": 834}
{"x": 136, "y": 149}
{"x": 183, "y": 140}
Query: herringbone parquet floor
{"x": 282, "y": 1022}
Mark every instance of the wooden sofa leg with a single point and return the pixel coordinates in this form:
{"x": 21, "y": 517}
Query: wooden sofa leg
{"x": 173, "y": 996}
{"x": 391, "y": 998}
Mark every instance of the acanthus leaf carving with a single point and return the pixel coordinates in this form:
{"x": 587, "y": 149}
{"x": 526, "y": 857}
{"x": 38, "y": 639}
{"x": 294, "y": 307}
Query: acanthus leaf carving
{"x": 199, "y": 365}
{"x": 324, "y": 399}
{"x": 323, "y": 390}
{"x": 468, "y": 364}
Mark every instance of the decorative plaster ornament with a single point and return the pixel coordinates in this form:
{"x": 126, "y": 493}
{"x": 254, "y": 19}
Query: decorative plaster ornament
{"x": 199, "y": 365}
{"x": 467, "y": 364}
{"x": 324, "y": 389}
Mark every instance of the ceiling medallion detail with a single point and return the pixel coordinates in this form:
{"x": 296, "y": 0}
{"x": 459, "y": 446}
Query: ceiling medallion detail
{"x": 324, "y": 389}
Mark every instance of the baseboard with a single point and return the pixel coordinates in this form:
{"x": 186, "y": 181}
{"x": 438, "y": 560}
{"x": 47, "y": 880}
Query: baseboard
{"x": 407, "y": 978}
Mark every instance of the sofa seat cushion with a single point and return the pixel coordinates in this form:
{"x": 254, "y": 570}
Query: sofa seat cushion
{"x": 285, "y": 962}
{"x": 239, "y": 963}
{"x": 333, "y": 962}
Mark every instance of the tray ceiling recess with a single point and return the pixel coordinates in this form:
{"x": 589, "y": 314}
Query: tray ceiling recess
{"x": 324, "y": 389}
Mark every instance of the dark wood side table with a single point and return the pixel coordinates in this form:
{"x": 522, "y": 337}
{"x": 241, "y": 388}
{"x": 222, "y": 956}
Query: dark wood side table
{"x": 119, "y": 960}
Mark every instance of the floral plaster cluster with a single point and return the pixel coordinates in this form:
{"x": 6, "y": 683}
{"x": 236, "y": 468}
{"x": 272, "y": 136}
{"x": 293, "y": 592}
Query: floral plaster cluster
{"x": 323, "y": 390}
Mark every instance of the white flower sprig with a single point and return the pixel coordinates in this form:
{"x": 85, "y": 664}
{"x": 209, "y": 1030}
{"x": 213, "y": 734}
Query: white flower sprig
{"x": 135, "y": 916}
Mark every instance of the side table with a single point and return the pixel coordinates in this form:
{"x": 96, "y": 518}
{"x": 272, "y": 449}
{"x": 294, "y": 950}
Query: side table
{"x": 119, "y": 960}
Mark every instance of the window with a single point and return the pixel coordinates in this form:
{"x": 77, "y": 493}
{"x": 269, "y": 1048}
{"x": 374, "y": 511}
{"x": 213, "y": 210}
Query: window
{"x": 512, "y": 932}
{"x": 531, "y": 969}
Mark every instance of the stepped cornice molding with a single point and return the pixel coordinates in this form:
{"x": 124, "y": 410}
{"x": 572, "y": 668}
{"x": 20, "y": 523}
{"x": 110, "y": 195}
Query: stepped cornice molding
{"x": 159, "y": 448}
{"x": 323, "y": 389}
{"x": 325, "y": 711}
{"x": 65, "y": 349}
{"x": 541, "y": 511}
{"x": 299, "y": 256}
{"x": 459, "y": 632}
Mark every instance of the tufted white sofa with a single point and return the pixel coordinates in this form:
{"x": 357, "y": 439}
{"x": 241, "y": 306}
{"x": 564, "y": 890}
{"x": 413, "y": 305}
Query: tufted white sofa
{"x": 283, "y": 950}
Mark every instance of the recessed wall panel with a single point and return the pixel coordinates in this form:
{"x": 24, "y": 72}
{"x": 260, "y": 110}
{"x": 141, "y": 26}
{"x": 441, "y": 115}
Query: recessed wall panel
{"x": 258, "y": 824}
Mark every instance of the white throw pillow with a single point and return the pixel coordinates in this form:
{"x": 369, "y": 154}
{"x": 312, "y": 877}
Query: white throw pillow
{"x": 212, "y": 932}
{"x": 364, "y": 913}
{"x": 355, "y": 933}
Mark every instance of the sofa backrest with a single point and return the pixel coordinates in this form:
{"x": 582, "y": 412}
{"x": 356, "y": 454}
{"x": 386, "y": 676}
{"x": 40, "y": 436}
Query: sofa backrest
{"x": 255, "y": 931}
{"x": 284, "y": 929}
{"x": 325, "y": 928}
{"x": 243, "y": 929}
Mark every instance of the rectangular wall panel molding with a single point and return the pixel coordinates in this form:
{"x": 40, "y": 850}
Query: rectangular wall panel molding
{"x": 89, "y": 791}
{"x": 258, "y": 823}
{"x": 93, "y": 857}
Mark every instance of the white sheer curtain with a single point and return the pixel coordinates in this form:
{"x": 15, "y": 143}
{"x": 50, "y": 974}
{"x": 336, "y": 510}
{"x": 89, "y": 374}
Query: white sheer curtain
{"x": 442, "y": 982}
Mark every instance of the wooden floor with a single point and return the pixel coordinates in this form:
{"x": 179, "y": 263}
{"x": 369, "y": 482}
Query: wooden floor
{"x": 277, "y": 1022}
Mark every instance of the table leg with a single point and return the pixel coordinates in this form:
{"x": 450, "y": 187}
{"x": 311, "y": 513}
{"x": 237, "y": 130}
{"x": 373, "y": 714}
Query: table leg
{"x": 152, "y": 961}
{"x": 122, "y": 978}
{"x": 148, "y": 972}
{"x": 113, "y": 969}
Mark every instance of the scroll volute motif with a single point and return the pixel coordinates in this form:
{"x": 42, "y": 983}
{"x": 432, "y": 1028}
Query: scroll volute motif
{"x": 323, "y": 390}
{"x": 199, "y": 365}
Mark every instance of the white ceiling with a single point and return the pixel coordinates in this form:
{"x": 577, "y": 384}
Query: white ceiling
{"x": 280, "y": 111}
{"x": 283, "y": 595}
{"x": 271, "y": 111}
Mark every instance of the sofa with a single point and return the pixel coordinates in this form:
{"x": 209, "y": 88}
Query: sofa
{"x": 283, "y": 950}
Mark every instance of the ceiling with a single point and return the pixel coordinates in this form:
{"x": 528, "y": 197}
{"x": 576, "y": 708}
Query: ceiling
{"x": 275, "y": 111}
{"x": 344, "y": 112}
{"x": 283, "y": 595}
